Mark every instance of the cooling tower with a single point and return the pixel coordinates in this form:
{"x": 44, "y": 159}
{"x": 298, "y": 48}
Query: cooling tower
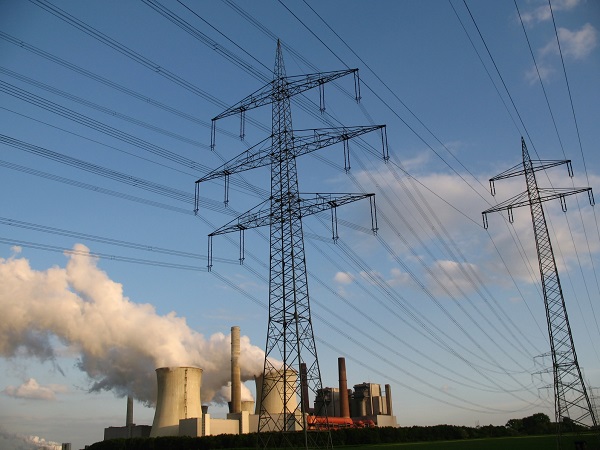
{"x": 273, "y": 401}
{"x": 248, "y": 406}
{"x": 178, "y": 398}
{"x": 236, "y": 382}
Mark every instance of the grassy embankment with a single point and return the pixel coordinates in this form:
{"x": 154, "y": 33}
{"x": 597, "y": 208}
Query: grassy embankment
{"x": 510, "y": 443}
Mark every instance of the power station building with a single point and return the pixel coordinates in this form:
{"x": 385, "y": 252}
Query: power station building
{"x": 179, "y": 411}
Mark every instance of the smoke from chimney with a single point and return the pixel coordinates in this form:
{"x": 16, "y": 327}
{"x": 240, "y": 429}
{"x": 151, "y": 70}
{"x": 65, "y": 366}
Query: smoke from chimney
{"x": 119, "y": 343}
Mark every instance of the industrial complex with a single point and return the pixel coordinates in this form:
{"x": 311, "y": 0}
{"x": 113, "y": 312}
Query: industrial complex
{"x": 179, "y": 410}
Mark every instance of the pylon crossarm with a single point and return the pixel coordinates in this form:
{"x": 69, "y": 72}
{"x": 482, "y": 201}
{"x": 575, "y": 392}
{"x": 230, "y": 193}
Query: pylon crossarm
{"x": 323, "y": 202}
{"x": 305, "y": 141}
{"x": 293, "y": 86}
{"x": 261, "y": 214}
{"x": 253, "y": 218}
{"x": 538, "y": 164}
{"x": 522, "y": 199}
{"x": 514, "y": 202}
{"x": 546, "y": 194}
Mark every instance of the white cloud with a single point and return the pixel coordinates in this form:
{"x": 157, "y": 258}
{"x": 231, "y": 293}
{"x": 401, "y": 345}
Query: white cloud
{"x": 578, "y": 44}
{"x": 399, "y": 278}
{"x": 539, "y": 14}
{"x": 32, "y": 390}
{"x": 396, "y": 277}
{"x": 451, "y": 277}
{"x": 417, "y": 162}
{"x": 542, "y": 12}
{"x": 372, "y": 276}
{"x": 574, "y": 44}
{"x": 545, "y": 71}
{"x": 515, "y": 242}
{"x": 343, "y": 278}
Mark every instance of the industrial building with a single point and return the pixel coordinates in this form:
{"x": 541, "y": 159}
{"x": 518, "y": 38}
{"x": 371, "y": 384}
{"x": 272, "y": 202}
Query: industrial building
{"x": 179, "y": 411}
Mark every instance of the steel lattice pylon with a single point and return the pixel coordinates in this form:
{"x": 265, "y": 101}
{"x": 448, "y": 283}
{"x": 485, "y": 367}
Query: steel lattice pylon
{"x": 291, "y": 367}
{"x": 570, "y": 396}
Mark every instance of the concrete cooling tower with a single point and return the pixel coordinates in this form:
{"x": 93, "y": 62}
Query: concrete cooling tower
{"x": 178, "y": 398}
{"x": 273, "y": 403}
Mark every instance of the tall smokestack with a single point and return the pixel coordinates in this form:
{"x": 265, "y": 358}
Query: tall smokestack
{"x": 236, "y": 381}
{"x": 178, "y": 398}
{"x": 129, "y": 418}
{"x": 304, "y": 388}
{"x": 388, "y": 399}
{"x": 344, "y": 404}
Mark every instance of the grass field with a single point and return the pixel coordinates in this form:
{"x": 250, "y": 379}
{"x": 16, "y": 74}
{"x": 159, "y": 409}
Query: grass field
{"x": 513, "y": 443}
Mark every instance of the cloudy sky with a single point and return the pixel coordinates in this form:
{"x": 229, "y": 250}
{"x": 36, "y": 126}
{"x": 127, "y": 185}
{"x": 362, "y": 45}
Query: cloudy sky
{"x": 105, "y": 118}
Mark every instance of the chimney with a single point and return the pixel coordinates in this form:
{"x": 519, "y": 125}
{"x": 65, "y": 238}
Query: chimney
{"x": 344, "y": 405}
{"x": 178, "y": 398}
{"x": 129, "y": 418}
{"x": 236, "y": 382}
{"x": 304, "y": 388}
{"x": 388, "y": 399}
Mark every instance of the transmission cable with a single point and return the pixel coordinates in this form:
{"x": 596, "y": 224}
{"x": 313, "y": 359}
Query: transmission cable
{"x": 133, "y": 55}
{"x": 258, "y": 24}
{"x": 128, "y": 259}
{"x": 113, "y": 132}
{"x": 103, "y": 109}
{"x": 107, "y": 82}
{"x": 582, "y": 155}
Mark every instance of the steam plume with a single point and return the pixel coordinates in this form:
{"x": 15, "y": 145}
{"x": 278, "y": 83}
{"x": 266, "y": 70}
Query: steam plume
{"x": 119, "y": 343}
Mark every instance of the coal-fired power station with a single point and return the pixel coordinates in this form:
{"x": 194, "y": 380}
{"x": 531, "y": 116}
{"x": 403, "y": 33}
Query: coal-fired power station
{"x": 179, "y": 410}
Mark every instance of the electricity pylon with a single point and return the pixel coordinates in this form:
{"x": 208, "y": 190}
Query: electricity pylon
{"x": 571, "y": 399}
{"x": 291, "y": 366}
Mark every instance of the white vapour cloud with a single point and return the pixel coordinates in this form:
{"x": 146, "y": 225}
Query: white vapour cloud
{"x": 543, "y": 71}
{"x": 119, "y": 343}
{"x": 456, "y": 278}
{"x": 542, "y": 13}
{"x": 343, "y": 278}
{"x": 224, "y": 394}
{"x": 32, "y": 390}
{"x": 574, "y": 44}
{"x": 10, "y": 441}
{"x": 580, "y": 43}
{"x": 470, "y": 238}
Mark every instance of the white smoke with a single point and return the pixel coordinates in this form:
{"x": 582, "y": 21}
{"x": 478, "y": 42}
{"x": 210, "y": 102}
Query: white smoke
{"x": 224, "y": 394}
{"x": 120, "y": 343}
{"x": 10, "y": 441}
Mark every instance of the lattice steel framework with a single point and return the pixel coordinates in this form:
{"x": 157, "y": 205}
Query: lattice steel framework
{"x": 571, "y": 399}
{"x": 291, "y": 367}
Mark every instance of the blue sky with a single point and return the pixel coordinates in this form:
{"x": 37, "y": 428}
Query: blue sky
{"x": 448, "y": 313}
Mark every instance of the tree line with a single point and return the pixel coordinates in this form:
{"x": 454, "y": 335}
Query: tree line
{"x": 536, "y": 424}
